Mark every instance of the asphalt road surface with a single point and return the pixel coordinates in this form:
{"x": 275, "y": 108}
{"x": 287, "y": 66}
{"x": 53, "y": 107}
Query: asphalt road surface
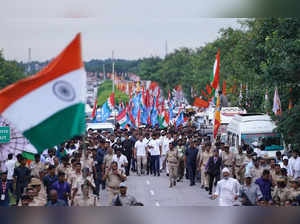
{"x": 155, "y": 191}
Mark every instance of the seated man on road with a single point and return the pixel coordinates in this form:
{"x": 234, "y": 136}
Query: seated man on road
{"x": 123, "y": 199}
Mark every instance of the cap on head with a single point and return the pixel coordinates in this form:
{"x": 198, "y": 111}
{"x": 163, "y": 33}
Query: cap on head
{"x": 285, "y": 158}
{"x": 248, "y": 175}
{"x": 225, "y": 170}
{"x": 123, "y": 184}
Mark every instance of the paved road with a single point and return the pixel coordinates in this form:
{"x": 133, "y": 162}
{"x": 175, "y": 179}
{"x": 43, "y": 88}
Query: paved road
{"x": 155, "y": 191}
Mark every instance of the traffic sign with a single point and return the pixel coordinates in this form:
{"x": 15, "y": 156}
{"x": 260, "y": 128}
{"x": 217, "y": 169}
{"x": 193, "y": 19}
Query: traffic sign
{"x": 4, "y": 134}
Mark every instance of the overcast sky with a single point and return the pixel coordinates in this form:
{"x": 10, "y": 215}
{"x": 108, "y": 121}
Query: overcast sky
{"x": 132, "y": 28}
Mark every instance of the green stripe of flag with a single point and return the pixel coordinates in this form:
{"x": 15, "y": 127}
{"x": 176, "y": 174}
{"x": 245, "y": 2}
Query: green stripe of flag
{"x": 58, "y": 128}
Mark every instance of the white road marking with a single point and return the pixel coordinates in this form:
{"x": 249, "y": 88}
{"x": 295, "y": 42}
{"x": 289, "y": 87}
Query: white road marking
{"x": 152, "y": 192}
{"x": 148, "y": 182}
{"x": 157, "y": 204}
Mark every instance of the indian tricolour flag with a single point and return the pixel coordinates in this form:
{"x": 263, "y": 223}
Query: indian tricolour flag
{"x": 48, "y": 108}
{"x": 122, "y": 118}
{"x": 215, "y": 77}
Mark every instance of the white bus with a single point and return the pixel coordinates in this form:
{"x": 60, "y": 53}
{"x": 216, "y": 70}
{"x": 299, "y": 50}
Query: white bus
{"x": 253, "y": 130}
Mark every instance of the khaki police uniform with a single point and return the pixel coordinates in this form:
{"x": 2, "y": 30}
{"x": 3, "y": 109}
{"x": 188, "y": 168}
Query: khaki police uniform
{"x": 256, "y": 173}
{"x": 113, "y": 185}
{"x": 205, "y": 157}
{"x": 36, "y": 168}
{"x": 108, "y": 160}
{"x": 181, "y": 153}
{"x": 173, "y": 162}
{"x": 239, "y": 167}
{"x": 280, "y": 195}
{"x": 228, "y": 159}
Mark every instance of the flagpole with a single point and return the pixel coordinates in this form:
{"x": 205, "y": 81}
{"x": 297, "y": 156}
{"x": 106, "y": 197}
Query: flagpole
{"x": 113, "y": 85}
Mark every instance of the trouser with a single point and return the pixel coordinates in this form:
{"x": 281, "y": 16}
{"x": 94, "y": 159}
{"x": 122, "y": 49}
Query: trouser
{"x": 141, "y": 162}
{"x": 112, "y": 193}
{"x": 162, "y": 159}
{"x": 127, "y": 169}
{"x": 11, "y": 186}
{"x": 173, "y": 171}
{"x": 204, "y": 178}
{"x": 134, "y": 165}
{"x": 211, "y": 179}
{"x": 191, "y": 168}
{"x": 19, "y": 192}
{"x": 98, "y": 182}
{"x": 240, "y": 174}
{"x": 181, "y": 169}
{"x": 149, "y": 164}
{"x": 155, "y": 164}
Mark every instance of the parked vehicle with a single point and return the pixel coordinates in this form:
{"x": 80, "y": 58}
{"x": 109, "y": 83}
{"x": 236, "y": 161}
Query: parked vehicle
{"x": 254, "y": 130}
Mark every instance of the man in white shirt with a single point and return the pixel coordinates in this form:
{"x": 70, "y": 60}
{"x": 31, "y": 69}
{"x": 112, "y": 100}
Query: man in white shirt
{"x": 297, "y": 168}
{"x": 292, "y": 161}
{"x": 9, "y": 167}
{"x": 285, "y": 164}
{"x": 155, "y": 150}
{"x": 140, "y": 154}
{"x": 121, "y": 160}
{"x": 227, "y": 189}
{"x": 165, "y": 148}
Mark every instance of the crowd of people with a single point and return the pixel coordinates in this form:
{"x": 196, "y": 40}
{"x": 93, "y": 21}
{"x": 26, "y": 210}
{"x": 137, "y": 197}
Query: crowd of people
{"x": 76, "y": 172}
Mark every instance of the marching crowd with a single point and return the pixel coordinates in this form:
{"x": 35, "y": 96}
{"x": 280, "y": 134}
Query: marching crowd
{"x": 76, "y": 172}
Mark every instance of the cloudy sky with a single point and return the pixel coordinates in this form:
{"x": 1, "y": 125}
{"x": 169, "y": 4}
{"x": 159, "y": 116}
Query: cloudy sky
{"x": 132, "y": 28}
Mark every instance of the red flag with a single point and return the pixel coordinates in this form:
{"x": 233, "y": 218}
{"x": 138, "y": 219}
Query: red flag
{"x": 204, "y": 94}
{"x": 224, "y": 88}
{"x": 139, "y": 118}
{"x": 200, "y": 103}
{"x": 208, "y": 89}
{"x": 94, "y": 109}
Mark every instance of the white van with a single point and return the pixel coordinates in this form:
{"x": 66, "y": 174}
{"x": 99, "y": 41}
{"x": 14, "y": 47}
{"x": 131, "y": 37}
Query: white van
{"x": 101, "y": 126}
{"x": 254, "y": 129}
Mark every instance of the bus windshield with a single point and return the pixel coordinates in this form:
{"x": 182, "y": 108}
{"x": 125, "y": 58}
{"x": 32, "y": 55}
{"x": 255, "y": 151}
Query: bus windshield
{"x": 267, "y": 141}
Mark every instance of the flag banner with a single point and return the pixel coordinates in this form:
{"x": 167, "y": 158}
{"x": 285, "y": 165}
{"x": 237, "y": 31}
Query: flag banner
{"x": 180, "y": 119}
{"x": 208, "y": 89}
{"x": 224, "y": 88}
{"x": 48, "y": 108}
{"x": 107, "y": 108}
{"x": 217, "y": 122}
{"x": 201, "y": 103}
{"x": 215, "y": 76}
{"x": 94, "y": 110}
{"x": 276, "y": 103}
{"x": 122, "y": 118}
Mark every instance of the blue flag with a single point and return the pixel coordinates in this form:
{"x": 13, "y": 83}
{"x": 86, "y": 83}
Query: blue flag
{"x": 180, "y": 119}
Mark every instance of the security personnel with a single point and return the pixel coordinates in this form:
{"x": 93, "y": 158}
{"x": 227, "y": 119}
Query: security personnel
{"x": 85, "y": 199}
{"x": 240, "y": 165}
{"x": 113, "y": 178}
{"x": 181, "y": 151}
{"x": 39, "y": 198}
{"x": 203, "y": 161}
{"x": 256, "y": 171}
{"x": 280, "y": 194}
{"x": 294, "y": 190}
{"x": 228, "y": 159}
{"x": 172, "y": 159}
{"x": 190, "y": 161}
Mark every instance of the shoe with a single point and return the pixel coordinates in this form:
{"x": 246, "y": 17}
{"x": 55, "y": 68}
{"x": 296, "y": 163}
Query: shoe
{"x": 158, "y": 174}
{"x": 178, "y": 180}
{"x": 202, "y": 186}
{"x": 174, "y": 183}
{"x": 155, "y": 174}
{"x": 167, "y": 174}
{"x": 206, "y": 188}
{"x": 210, "y": 193}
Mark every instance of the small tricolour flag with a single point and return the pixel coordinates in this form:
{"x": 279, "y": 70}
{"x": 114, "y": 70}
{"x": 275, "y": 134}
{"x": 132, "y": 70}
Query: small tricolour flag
{"x": 276, "y": 103}
{"x": 48, "y": 108}
{"x": 122, "y": 118}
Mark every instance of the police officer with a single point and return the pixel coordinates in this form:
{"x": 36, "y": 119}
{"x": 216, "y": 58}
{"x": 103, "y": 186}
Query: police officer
{"x": 203, "y": 161}
{"x": 240, "y": 165}
{"x": 191, "y": 162}
{"x": 172, "y": 158}
{"x": 114, "y": 177}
